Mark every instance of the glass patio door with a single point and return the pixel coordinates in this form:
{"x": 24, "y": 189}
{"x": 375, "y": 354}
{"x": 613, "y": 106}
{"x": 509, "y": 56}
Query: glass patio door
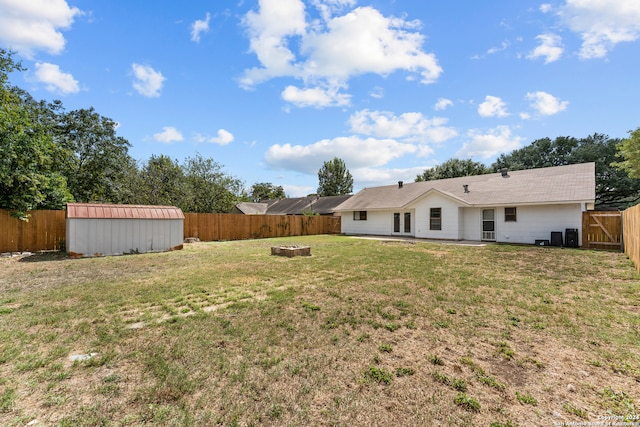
{"x": 402, "y": 222}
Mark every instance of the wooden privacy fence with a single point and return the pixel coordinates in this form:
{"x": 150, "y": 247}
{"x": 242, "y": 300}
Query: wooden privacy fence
{"x": 46, "y": 230}
{"x": 602, "y": 230}
{"x": 211, "y": 227}
{"x": 631, "y": 227}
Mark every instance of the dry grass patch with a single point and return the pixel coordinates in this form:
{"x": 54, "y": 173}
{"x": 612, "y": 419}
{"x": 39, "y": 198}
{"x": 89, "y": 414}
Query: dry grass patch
{"x": 361, "y": 333}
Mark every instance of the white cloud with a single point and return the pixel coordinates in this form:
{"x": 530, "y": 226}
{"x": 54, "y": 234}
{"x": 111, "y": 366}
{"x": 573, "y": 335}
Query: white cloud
{"x": 298, "y": 190}
{"x": 199, "y": 27}
{"x": 224, "y": 137}
{"x": 315, "y": 97}
{"x": 365, "y": 41}
{"x": 355, "y": 151}
{"x": 493, "y": 107}
{"x": 545, "y": 8}
{"x": 495, "y": 49}
{"x": 545, "y": 103}
{"x": 268, "y": 32}
{"x": 489, "y": 144}
{"x": 408, "y": 126}
{"x": 148, "y": 82}
{"x": 328, "y": 8}
{"x": 550, "y": 48}
{"x": 374, "y": 177}
{"x": 335, "y": 49}
{"x": 168, "y": 135}
{"x": 33, "y": 25}
{"x": 602, "y": 23}
{"x": 377, "y": 92}
{"x": 503, "y": 46}
{"x": 443, "y": 103}
{"x": 55, "y": 79}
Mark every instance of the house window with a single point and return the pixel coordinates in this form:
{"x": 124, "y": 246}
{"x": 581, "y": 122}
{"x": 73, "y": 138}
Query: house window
{"x": 435, "y": 219}
{"x": 359, "y": 215}
{"x": 407, "y": 222}
{"x": 510, "y": 214}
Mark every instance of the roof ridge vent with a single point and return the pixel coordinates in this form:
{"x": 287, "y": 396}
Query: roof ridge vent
{"x": 505, "y": 172}
{"x": 400, "y": 184}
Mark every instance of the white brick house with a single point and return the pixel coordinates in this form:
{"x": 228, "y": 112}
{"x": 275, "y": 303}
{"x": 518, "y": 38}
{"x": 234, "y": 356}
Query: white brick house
{"x": 511, "y": 206}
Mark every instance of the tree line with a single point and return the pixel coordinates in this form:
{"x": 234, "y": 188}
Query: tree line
{"x": 617, "y": 173}
{"x": 50, "y": 156}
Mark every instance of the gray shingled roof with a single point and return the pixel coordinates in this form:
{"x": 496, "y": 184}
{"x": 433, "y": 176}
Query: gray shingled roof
{"x": 249, "y": 208}
{"x": 325, "y": 205}
{"x": 560, "y": 184}
{"x": 293, "y": 206}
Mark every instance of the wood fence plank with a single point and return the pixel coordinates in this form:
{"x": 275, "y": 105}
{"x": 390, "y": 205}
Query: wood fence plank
{"x": 631, "y": 229}
{"x": 46, "y": 230}
{"x": 602, "y": 230}
{"x": 213, "y": 227}
{"x": 8, "y": 232}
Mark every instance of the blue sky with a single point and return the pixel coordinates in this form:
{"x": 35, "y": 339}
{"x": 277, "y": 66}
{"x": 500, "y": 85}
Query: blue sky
{"x": 273, "y": 88}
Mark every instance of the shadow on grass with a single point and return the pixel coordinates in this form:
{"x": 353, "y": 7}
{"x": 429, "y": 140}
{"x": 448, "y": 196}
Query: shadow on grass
{"x": 45, "y": 257}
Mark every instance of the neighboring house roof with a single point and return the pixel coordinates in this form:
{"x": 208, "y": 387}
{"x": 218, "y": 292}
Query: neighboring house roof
{"x": 326, "y": 205}
{"x": 560, "y": 184}
{"x": 293, "y": 206}
{"x": 249, "y": 208}
{"x": 98, "y": 210}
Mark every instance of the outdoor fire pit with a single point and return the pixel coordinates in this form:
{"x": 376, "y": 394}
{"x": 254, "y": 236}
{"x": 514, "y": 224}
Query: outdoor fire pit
{"x": 291, "y": 251}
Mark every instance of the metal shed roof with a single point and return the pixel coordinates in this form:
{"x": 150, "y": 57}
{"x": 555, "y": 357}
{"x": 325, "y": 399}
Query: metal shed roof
{"x": 97, "y": 210}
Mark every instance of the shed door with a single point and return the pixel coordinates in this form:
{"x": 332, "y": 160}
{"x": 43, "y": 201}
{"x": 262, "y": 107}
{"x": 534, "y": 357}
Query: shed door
{"x": 489, "y": 224}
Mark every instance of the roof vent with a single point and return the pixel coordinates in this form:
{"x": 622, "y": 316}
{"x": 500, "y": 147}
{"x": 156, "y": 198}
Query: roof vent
{"x": 400, "y": 184}
{"x": 466, "y": 187}
{"x": 504, "y": 172}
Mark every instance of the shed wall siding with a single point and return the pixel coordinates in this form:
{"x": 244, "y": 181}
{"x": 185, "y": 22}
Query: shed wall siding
{"x": 118, "y": 236}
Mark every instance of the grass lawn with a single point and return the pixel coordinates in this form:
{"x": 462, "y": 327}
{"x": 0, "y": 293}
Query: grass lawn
{"x": 364, "y": 332}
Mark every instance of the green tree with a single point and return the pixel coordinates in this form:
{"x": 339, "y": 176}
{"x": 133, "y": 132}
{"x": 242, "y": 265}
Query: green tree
{"x": 29, "y": 169}
{"x": 334, "y": 179}
{"x": 132, "y": 186}
{"x": 163, "y": 183}
{"x": 453, "y": 168}
{"x": 614, "y": 188}
{"x": 95, "y": 167}
{"x": 208, "y": 187}
{"x": 266, "y": 191}
{"x": 541, "y": 153}
{"x": 629, "y": 151}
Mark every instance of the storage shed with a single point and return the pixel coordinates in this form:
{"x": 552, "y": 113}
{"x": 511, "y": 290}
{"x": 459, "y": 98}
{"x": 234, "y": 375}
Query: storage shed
{"x": 105, "y": 229}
